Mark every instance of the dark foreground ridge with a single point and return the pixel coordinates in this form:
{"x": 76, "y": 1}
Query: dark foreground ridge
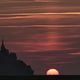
{"x": 10, "y": 65}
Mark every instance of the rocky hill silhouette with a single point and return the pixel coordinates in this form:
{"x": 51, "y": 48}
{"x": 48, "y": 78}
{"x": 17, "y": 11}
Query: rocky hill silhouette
{"x": 10, "y": 65}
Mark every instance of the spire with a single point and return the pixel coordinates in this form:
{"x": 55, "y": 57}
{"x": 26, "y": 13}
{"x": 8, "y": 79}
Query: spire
{"x": 3, "y": 46}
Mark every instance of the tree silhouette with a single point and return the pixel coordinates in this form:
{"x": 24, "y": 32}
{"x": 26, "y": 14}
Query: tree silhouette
{"x": 10, "y": 65}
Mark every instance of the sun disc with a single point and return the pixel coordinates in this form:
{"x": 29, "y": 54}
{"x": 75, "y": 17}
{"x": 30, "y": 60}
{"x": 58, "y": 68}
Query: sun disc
{"x": 52, "y": 72}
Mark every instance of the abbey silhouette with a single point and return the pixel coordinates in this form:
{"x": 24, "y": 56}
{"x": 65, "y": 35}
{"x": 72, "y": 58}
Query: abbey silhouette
{"x": 10, "y": 65}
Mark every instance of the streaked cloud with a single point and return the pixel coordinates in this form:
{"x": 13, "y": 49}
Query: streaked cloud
{"x": 39, "y": 6}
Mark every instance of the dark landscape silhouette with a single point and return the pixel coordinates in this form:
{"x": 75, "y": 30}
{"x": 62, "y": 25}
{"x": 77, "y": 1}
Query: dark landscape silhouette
{"x": 10, "y": 65}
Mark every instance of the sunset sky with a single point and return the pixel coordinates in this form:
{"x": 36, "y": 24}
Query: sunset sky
{"x": 31, "y": 28}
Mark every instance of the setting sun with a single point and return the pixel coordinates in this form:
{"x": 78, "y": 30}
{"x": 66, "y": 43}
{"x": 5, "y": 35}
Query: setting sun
{"x": 52, "y": 72}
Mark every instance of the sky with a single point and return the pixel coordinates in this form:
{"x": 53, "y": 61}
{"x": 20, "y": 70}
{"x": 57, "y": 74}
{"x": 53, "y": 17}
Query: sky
{"x": 30, "y": 27}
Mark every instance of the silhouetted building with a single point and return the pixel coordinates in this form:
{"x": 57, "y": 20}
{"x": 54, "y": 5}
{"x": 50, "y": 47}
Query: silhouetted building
{"x": 10, "y": 65}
